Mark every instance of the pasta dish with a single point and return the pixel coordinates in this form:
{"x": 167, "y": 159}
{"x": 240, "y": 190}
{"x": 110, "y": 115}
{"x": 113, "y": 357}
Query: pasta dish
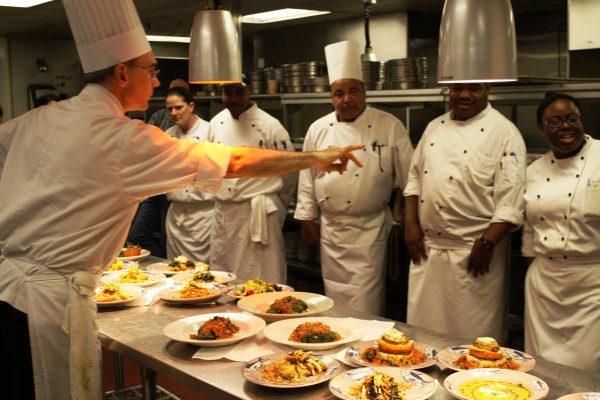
{"x": 111, "y": 292}
{"x": 293, "y": 367}
{"x": 379, "y": 386}
{"x": 192, "y": 289}
{"x": 216, "y": 328}
{"x": 132, "y": 275}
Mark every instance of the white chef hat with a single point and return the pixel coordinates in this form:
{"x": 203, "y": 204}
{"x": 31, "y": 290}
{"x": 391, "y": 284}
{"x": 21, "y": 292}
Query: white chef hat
{"x": 106, "y": 32}
{"x": 343, "y": 61}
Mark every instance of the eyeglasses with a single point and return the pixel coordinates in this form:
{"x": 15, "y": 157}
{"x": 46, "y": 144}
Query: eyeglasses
{"x": 152, "y": 68}
{"x": 556, "y": 122}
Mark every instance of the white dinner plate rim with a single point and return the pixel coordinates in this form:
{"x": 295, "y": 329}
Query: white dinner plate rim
{"x": 359, "y": 346}
{"x": 285, "y": 327}
{"x": 257, "y": 325}
{"x": 154, "y": 279}
{"x": 450, "y": 351}
{"x": 580, "y": 396}
{"x": 455, "y": 379}
{"x": 284, "y": 288}
{"x": 144, "y": 253}
{"x": 396, "y": 373}
{"x": 252, "y": 375}
{"x": 246, "y": 303}
{"x": 153, "y": 268}
{"x": 163, "y": 295}
{"x": 135, "y": 290}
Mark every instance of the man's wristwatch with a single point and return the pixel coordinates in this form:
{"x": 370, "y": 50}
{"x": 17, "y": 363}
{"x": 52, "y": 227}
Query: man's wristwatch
{"x": 487, "y": 244}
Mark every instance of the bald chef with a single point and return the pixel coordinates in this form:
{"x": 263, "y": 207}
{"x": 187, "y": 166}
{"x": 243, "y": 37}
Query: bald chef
{"x": 352, "y": 209}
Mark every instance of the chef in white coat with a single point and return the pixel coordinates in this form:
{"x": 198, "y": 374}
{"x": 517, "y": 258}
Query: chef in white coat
{"x": 190, "y": 215}
{"x": 249, "y": 213}
{"x": 561, "y": 240}
{"x": 350, "y": 213}
{"x": 464, "y": 196}
{"x": 71, "y": 178}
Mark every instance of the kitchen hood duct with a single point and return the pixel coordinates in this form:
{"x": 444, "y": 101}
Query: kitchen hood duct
{"x": 215, "y": 56}
{"x": 477, "y": 42}
{"x": 368, "y": 55}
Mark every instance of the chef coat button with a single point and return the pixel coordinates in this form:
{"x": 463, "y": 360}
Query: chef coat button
{"x": 552, "y": 161}
{"x": 440, "y": 207}
{"x": 482, "y": 129}
{"x": 355, "y": 174}
{"x": 577, "y": 176}
{"x": 538, "y": 196}
{"x": 541, "y": 218}
{"x": 551, "y": 258}
{"x": 451, "y": 178}
{"x": 545, "y": 238}
{"x": 229, "y": 189}
{"x": 464, "y": 151}
{"x": 431, "y": 144}
{"x": 439, "y": 233}
{"x": 425, "y": 171}
{"x": 422, "y": 201}
{"x": 504, "y": 154}
{"x": 364, "y": 149}
{"x": 547, "y": 179}
{"x": 253, "y": 125}
{"x": 327, "y": 198}
{"x": 369, "y": 126}
{"x": 583, "y": 157}
{"x": 569, "y": 194}
{"x": 426, "y": 230}
{"x": 443, "y": 122}
{"x": 331, "y": 124}
{"x": 349, "y": 201}
{"x": 565, "y": 257}
{"x": 221, "y": 122}
{"x": 562, "y": 239}
{"x": 564, "y": 217}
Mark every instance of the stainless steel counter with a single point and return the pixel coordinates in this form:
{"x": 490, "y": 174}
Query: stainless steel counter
{"x": 136, "y": 332}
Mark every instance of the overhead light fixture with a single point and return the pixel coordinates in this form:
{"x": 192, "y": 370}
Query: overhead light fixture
{"x": 215, "y": 55}
{"x": 477, "y": 42}
{"x": 171, "y": 39}
{"x": 283, "y": 14}
{"x": 22, "y": 3}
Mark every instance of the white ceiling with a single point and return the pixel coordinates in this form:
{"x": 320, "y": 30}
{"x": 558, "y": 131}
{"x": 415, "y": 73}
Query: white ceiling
{"x": 175, "y": 17}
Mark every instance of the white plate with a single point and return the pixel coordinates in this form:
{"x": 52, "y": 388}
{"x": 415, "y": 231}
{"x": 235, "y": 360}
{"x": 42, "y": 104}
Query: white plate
{"x": 126, "y": 266}
{"x": 280, "y": 331}
{"x": 354, "y": 351}
{"x": 538, "y": 388}
{"x": 162, "y": 268}
{"x": 152, "y": 279}
{"x": 181, "y": 330}
{"x": 220, "y": 277}
{"x": 423, "y": 386}
{"x": 258, "y": 304}
{"x": 581, "y": 396}
{"x": 449, "y": 355}
{"x": 144, "y": 253}
{"x": 171, "y": 295}
{"x": 136, "y": 291}
{"x": 284, "y": 288}
{"x": 251, "y": 371}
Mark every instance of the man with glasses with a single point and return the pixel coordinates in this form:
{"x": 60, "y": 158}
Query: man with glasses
{"x": 464, "y": 196}
{"x": 71, "y": 177}
{"x": 560, "y": 240}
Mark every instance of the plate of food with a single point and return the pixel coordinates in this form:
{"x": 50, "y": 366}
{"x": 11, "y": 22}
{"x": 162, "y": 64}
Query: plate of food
{"x": 119, "y": 265}
{"x": 115, "y": 295}
{"x": 133, "y": 276}
{"x": 400, "y": 383}
{"x": 392, "y": 349}
{"x": 193, "y": 293}
{"x": 132, "y": 252}
{"x": 214, "y": 330}
{"x": 581, "y": 396}
{"x": 204, "y": 277}
{"x": 314, "y": 333}
{"x": 485, "y": 353}
{"x": 495, "y": 383}
{"x": 275, "y": 306}
{"x": 291, "y": 370}
{"x": 254, "y": 286}
{"x": 177, "y": 265}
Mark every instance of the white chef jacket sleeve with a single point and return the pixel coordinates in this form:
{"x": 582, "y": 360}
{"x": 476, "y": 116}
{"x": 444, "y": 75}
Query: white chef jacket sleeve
{"x": 527, "y": 240}
{"x": 403, "y": 155}
{"x": 307, "y": 208}
{"x": 509, "y": 180}
{"x": 413, "y": 184}
{"x": 199, "y": 164}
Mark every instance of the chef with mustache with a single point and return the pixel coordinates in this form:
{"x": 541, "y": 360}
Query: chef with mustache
{"x": 463, "y": 198}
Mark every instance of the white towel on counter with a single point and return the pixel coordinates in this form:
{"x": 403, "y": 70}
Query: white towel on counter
{"x": 259, "y": 345}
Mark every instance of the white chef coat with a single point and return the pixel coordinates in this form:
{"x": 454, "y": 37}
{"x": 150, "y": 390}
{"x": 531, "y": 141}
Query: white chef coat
{"x": 190, "y": 216}
{"x": 71, "y": 177}
{"x": 467, "y": 174}
{"x": 249, "y": 213}
{"x": 353, "y": 207}
{"x": 562, "y": 231}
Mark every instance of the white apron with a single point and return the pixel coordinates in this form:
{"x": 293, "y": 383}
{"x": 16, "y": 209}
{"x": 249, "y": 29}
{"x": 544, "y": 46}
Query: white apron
{"x": 57, "y": 335}
{"x": 562, "y": 311}
{"x": 189, "y": 227}
{"x": 247, "y": 239}
{"x": 443, "y": 297}
{"x": 354, "y": 249}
